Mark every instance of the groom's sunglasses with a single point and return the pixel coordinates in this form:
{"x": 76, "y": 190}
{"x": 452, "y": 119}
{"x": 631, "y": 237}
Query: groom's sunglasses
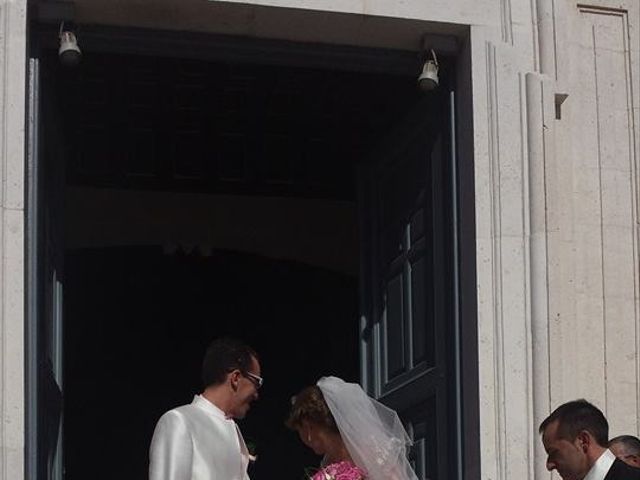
{"x": 255, "y": 379}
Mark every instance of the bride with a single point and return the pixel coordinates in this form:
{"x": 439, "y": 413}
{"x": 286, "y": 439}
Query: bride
{"x": 359, "y": 438}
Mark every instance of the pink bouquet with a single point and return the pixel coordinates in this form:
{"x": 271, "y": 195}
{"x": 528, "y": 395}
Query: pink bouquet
{"x": 340, "y": 471}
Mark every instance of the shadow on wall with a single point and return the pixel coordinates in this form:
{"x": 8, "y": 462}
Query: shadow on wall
{"x": 137, "y": 323}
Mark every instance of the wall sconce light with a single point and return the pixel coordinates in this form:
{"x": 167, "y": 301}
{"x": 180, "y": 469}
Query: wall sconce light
{"x": 428, "y": 79}
{"x": 69, "y": 52}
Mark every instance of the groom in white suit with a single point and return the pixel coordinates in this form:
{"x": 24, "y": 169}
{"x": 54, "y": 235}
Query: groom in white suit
{"x": 201, "y": 441}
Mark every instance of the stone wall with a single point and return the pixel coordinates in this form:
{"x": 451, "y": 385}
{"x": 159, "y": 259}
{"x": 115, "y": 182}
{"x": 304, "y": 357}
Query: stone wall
{"x": 556, "y": 149}
{"x": 556, "y": 161}
{"x": 12, "y": 161}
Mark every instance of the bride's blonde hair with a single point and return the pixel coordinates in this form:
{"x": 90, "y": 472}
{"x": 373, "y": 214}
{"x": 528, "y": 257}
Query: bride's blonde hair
{"x": 309, "y": 406}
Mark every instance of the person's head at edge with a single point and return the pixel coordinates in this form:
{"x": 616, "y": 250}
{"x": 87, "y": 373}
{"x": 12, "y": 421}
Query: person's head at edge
{"x": 231, "y": 376}
{"x": 627, "y": 449}
{"x": 311, "y": 418}
{"x": 574, "y": 437}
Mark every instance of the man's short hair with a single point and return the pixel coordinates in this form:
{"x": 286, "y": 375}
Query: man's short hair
{"x": 575, "y": 417}
{"x": 223, "y": 356}
{"x": 631, "y": 444}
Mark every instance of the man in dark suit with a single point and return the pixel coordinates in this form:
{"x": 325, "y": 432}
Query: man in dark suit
{"x": 575, "y": 437}
{"x": 627, "y": 449}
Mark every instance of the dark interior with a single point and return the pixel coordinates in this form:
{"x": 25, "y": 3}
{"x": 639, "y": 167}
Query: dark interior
{"x": 171, "y": 124}
{"x": 136, "y": 318}
{"x": 138, "y": 322}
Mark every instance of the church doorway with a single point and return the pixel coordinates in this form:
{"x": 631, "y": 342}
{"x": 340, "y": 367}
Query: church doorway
{"x": 236, "y": 194}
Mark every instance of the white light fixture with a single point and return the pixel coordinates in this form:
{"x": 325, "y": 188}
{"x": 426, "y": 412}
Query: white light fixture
{"x": 428, "y": 79}
{"x": 69, "y": 52}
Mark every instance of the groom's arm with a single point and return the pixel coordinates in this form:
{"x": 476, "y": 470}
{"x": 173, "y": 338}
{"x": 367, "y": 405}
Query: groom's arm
{"x": 171, "y": 450}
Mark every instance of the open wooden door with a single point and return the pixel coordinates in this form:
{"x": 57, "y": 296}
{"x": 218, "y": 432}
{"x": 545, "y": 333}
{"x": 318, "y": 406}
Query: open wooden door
{"x": 44, "y": 384}
{"x": 407, "y": 297}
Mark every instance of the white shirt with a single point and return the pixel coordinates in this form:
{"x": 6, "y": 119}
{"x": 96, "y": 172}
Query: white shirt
{"x": 601, "y": 467}
{"x": 197, "y": 442}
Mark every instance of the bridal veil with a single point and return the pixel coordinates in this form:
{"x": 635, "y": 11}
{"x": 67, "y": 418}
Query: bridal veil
{"x": 372, "y": 432}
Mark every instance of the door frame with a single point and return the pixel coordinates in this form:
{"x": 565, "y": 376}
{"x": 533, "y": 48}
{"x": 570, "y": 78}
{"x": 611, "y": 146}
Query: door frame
{"x": 220, "y": 47}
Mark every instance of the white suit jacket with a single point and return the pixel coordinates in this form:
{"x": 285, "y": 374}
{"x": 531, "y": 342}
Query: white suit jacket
{"x": 197, "y": 442}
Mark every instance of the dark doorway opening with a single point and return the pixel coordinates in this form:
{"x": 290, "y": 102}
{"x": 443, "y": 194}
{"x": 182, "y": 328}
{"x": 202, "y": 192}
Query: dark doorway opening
{"x": 138, "y": 320}
{"x": 149, "y": 279}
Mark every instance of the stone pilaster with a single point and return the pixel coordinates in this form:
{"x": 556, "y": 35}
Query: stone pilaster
{"x": 12, "y": 161}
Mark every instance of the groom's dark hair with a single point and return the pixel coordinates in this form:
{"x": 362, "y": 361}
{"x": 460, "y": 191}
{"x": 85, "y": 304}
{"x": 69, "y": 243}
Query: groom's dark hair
{"x": 223, "y": 356}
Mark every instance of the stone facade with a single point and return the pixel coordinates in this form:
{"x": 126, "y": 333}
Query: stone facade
{"x": 556, "y": 149}
{"x": 13, "y": 33}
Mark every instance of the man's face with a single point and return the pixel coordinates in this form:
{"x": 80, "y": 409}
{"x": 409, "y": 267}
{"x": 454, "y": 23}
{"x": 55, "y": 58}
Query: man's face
{"x": 619, "y": 450}
{"x": 563, "y": 455}
{"x": 247, "y": 390}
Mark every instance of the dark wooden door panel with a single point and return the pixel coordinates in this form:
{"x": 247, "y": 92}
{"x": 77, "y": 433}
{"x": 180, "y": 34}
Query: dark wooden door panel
{"x": 408, "y": 258}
